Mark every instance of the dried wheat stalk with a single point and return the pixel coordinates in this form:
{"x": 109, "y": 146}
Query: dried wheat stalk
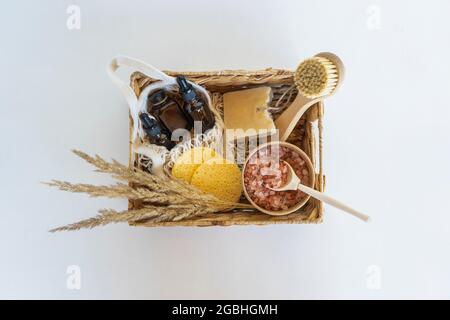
{"x": 155, "y": 213}
{"x": 163, "y": 199}
{"x": 118, "y": 190}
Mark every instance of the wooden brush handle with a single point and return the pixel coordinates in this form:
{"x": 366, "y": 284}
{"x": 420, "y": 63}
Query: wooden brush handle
{"x": 333, "y": 202}
{"x": 287, "y": 121}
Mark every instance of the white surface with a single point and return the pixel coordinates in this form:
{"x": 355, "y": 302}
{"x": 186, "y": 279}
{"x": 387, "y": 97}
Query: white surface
{"x": 386, "y": 135}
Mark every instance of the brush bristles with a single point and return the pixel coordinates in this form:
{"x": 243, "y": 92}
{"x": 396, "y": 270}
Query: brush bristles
{"x": 316, "y": 77}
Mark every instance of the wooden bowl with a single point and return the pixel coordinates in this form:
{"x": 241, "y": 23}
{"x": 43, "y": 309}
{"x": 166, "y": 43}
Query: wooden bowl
{"x": 303, "y": 155}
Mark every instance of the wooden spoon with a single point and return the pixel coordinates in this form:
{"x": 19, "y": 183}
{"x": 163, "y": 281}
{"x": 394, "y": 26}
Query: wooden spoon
{"x": 294, "y": 183}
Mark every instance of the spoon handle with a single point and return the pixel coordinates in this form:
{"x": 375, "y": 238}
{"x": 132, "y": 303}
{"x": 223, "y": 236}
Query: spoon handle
{"x": 287, "y": 121}
{"x": 333, "y": 202}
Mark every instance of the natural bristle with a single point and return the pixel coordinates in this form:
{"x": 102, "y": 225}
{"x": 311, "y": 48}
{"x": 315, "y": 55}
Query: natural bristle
{"x": 316, "y": 77}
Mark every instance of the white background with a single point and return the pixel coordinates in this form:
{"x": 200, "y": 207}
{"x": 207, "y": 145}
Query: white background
{"x": 386, "y": 149}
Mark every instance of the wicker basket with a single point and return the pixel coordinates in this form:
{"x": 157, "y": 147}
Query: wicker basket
{"x": 305, "y": 135}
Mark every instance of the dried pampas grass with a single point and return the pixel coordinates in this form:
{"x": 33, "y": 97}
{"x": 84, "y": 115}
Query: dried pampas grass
{"x": 163, "y": 199}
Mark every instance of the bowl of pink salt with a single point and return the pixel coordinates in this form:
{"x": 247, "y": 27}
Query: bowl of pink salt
{"x": 265, "y": 169}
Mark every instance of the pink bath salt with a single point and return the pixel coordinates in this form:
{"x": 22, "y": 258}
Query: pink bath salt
{"x": 264, "y": 172}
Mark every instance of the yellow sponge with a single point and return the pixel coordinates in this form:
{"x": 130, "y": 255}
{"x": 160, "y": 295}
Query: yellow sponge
{"x": 189, "y": 161}
{"x": 219, "y": 177}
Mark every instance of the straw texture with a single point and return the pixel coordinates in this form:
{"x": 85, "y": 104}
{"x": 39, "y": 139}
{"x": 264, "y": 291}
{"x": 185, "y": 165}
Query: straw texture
{"x": 308, "y": 130}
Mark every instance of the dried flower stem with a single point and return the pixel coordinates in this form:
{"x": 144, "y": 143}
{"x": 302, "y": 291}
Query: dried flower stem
{"x": 107, "y": 216}
{"x": 163, "y": 199}
{"x": 118, "y": 190}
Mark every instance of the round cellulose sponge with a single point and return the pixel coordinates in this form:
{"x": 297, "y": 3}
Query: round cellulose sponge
{"x": 189, "y": 161}
{"x": 219, "y": 177}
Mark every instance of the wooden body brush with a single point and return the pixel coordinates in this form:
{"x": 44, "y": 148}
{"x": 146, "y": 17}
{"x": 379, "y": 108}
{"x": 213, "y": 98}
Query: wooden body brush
{"x": 315, "y": 78}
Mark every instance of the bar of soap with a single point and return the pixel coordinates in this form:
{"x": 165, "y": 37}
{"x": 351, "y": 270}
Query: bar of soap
{"x": 247, "y": 110}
